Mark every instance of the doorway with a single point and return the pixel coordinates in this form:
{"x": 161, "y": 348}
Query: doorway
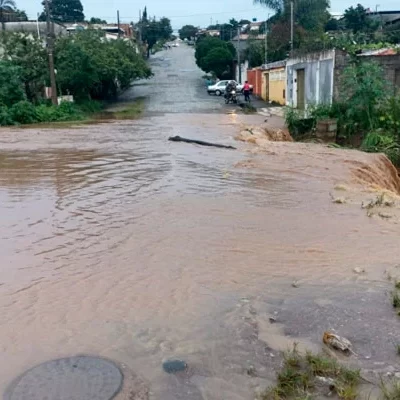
{"x": 300, "y": 89}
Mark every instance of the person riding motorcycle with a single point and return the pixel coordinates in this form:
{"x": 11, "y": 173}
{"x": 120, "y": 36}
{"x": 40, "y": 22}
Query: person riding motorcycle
{"x": 231, "y": 86}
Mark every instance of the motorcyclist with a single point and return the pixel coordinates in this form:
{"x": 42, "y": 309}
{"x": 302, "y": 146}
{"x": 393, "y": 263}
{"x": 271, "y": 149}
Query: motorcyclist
{"x": 229, "y": 88}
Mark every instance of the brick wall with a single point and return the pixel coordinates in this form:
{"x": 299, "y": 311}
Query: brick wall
{"x": 390, "y": 65}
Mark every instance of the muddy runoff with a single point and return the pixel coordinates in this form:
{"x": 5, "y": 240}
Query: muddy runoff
{"x": 119, "y": 244}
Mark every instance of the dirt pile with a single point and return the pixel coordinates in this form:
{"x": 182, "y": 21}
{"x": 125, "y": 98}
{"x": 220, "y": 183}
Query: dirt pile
{"x": 261, "y": 135}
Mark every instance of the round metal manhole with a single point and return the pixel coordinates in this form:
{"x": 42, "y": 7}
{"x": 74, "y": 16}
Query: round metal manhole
{"x": 73, "y": 378}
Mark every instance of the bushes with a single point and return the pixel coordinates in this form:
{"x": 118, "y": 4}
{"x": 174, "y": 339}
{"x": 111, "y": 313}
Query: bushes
{"x": 11, "y": 88}
{"x": 25, "y": 112}
{"x": 89, "y": 66}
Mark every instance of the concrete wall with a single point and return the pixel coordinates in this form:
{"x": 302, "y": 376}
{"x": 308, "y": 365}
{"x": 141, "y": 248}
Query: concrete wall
{"x": 277, "y": 85}
{"x": 318, "y": 79}
{"x": 243, "y": 66}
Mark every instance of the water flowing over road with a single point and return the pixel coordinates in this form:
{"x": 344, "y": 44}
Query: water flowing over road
{"x": 117, "y": 243}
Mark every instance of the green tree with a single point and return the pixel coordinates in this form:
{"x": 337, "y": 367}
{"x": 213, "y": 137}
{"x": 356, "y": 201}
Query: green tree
{"x": 88, "y": 66}
{"x": 97, "y": 21}
{"x": 10, "y": 84}
{"x": 219, "y": 61}
{"x": 153, "y": 31}
{"x": 392, "y": 33}
{"x": 64, "y": 11}
{"x": 357, "y": 19}
{"x": 187, "y": 32}
{"x": 214, "y": 55}
{"x": 27, "y": 53}
{"x": 255, "y": 53}
{"x": 6, "y": 6}
{"x": 165, "y": 28}
{"x": 309, "y": 14}
{"x": 363, "y": 89}
{"x": 144, "y": 15}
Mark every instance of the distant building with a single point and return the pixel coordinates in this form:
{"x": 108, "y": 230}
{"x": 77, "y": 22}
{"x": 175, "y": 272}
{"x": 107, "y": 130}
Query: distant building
{"x": 112, "y": 30}
{"x": 33, "y": 28}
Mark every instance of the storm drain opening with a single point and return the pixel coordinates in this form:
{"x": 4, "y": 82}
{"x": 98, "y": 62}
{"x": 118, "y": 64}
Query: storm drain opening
{"x": 72, "y": 378}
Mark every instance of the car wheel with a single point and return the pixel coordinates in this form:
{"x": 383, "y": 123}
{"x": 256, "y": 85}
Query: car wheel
{"x": 218, "y": 93}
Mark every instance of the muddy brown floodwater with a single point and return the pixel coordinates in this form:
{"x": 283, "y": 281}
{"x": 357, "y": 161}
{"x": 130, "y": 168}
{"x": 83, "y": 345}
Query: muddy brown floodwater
{"x": 117, "y": 243}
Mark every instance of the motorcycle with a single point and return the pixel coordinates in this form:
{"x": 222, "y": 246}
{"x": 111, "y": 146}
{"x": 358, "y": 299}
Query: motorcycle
{"x": 231, "y": 97}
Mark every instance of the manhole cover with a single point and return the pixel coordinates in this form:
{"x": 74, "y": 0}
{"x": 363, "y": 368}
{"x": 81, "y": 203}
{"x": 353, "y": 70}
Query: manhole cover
{"x": 74, "y": 378}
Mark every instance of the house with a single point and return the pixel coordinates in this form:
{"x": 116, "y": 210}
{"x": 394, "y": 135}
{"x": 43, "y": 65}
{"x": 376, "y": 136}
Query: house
{"x": 310, "y": 79}
{"x": 269, "y": 82}
{"x": 242, "y": 41}
{"x": 384, "y": 17}
{"x": 34, "y": 28}
{"x": 315, "y": 78}
{"x": 112, "y": 31}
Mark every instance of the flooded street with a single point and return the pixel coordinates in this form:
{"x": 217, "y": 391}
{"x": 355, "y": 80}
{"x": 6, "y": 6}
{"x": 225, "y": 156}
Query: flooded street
{"x": 118, "y": 243}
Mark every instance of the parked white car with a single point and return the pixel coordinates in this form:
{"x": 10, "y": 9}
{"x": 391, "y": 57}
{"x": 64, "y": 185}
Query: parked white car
{"x": 219, "y": 88}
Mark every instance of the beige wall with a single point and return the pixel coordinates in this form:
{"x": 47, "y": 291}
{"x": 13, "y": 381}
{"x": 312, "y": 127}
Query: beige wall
{"x": 277, "y": 85}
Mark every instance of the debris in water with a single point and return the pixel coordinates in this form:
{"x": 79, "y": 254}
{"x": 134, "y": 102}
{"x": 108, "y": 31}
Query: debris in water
{"x": 272, "y": 320}
{"x": 174, "y": 366}
{"x": 295, "y": 284}
{"x": 337, "y": 200}
{"x": 251, "y": 371}
{"x": 329, "y": 382}
{"x": 358, "y": 270}
{"x": 337, "y": 342}
{"x": 342, "y": 188}
{"x": 385, "y": 215}
{"x": 200, "y": 142}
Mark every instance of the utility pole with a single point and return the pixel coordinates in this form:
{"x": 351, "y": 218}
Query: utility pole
{"x": 140, "y": 26}
{"x": 37, "y": 26}
{"x": 291, "y": 28}
{"x": 50, "y": 51}
{"x": 119, "y": 34}
{"x": 238, "y": 57}
{"x": 266, "y": 41}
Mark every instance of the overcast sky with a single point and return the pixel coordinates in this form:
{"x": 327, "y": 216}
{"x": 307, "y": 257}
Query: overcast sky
{"x": 181, "y": 12}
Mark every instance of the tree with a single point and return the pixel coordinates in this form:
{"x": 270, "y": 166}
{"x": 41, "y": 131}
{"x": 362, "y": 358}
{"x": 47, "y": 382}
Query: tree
{"x": 357, "y": 20}
{"x": 144, "y": 15}
{"x": 97, "y": 21}
{"x": 27, "y": 53}
{"x": 165, "y": 28}
{"x": 309, "y": 14}
{"x": 392, "y": 33}
{"x": 64, "y": 11}
{"x": 214, "y": 55}
{"x": 10, "y": 84}
{"x": 153, "y": 31}
{"x": 219, "y": 61}
{"x": 187, "y": 32}
{"x": 6, "y": 6}
{"x": 88, "y": 66}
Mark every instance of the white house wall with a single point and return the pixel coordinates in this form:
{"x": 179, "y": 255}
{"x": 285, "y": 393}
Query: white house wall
{"x": 318, "y": 78}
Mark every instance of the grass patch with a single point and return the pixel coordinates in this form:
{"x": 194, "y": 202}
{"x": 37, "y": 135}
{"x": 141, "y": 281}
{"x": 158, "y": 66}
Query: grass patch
{"x": 390, "y": 391}
{"x": 395, "y": 299}
{"x": 298, "y": 377}
{"x": 130, "y": 111}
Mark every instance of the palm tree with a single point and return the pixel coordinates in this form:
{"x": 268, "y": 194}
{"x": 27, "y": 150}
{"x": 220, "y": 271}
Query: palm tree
{"x": 6, "y": 5}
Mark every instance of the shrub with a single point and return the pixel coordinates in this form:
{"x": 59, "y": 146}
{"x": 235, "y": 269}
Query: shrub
{"x": 5, "y": 117}
{"x": 23, "y": 112}
{"x": 379, "y": 142}
{"x": 11, "y": 90}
